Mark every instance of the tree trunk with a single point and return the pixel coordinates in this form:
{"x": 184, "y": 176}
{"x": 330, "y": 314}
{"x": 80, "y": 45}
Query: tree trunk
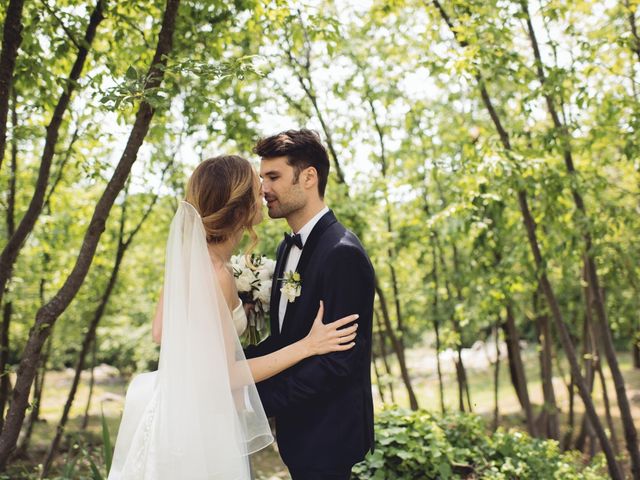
{"x": 49, "y": 313}
{"x": 92, "y": 382}
{"x": 11, "y": 40}
{"x": 12, "y": 249}
{"x": 435, "y": 310}
{"x": 516, "y": 368}
{"x": 549, "y": 414}
{"x": 436, "y": 326}
{"x": 631, "y": 435}
{"x": 588, "y": 354}
{"x": 496, "y": 375}
{"x": 379, "y": 382}
{"x": 7, "y": 311}
{"x": 530, "y": 227}
{"x": 383, "y": 353}
{"x": 5, "y": 382}
{"x": 567, "y": 439}
{"x": 461, "y": 374}
{"x": 38, "y": 390}
{"x": 636, "y": 354}
{"x": 397, "y": 347}
{"x": 607, "y": 405}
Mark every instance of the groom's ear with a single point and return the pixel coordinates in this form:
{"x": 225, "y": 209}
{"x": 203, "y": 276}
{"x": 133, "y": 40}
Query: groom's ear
{"x": 310, "y": 177}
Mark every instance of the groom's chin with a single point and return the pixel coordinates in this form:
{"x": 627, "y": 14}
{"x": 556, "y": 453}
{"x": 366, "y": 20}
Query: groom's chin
{"x": 273, "y": 213}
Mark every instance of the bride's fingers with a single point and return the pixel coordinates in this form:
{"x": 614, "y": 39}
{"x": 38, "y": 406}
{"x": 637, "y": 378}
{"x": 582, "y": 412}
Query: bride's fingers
{"x": 320, "y": 313}
{"x": 346, "y": 331}
{"x": 347, "y": 338}
{"x": 343, "y": 347}
{"x": 344, "y": 321}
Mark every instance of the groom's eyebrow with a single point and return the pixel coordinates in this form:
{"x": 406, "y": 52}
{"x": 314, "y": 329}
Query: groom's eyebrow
{"x": 269, "y": 172}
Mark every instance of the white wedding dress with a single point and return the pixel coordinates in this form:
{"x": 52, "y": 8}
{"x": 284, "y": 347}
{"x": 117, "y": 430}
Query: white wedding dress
{"x": 198, "y": 417}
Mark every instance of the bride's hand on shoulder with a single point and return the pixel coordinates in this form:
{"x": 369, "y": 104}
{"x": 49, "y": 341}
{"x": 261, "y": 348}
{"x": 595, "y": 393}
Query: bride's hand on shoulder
{"x": 331, "y": 337}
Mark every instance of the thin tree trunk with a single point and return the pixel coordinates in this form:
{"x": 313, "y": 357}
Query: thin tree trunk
{"x": 38, "y": 387}
{"x": 436, "y": 325}
{"x": 567, "y": 439}
{"x": 5, "y": 381}
{"x": 92, "y": 382}
{"x": 607, "y": 406}
{"x": 7, "y": 311}
{"x": 517, "y": 371}
{"x": 636, "y": 354}
{"x": 34, "y": 415}
{"x": 48, "y": 314}
{"x": 530, "y": 227}
{"x": 496, "y": 375}
{"x": 588, "y": 354}
{"x": 460, "y": 378}
{"x": 549, "y": 413}
{"x": 391, "y": 250}
{"x": 397, "y": 347}
{"x": 631, "y": 435}
{"x": 11, "y": 40}
{"x": 379, "y": 382}
{"x": 513, "y": 375}
{"x": 461, "y": 374}
{"x": 383, "y": 354}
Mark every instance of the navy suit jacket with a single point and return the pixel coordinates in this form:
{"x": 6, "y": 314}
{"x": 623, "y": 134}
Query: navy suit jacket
{"x": 323, "y": 406}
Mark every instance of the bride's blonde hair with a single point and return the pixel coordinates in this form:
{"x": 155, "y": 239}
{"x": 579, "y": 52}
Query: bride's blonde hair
{"x": 225, "y": 191}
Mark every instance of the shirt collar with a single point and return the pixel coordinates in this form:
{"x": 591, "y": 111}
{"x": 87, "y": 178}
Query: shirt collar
{"x": 308, "y": 227}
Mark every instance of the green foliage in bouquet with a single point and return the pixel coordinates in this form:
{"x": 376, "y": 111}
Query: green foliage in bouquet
{"x": 418, "y": 445}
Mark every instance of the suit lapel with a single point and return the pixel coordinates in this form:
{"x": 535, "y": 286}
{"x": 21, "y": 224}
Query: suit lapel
{"x": 274, "y": 306}
{"x": 310, "y": 245}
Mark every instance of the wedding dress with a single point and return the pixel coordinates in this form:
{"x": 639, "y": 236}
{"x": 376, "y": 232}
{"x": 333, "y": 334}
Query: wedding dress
{"x": 199, "y": 416}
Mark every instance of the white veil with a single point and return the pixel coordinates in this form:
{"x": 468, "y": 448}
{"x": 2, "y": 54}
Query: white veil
{"x": 207, "y": 417}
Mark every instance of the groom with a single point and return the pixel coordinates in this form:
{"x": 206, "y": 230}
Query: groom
{"x": 322, "y": 406}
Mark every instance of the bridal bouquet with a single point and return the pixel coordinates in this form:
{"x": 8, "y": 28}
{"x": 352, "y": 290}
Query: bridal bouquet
{"x": 254, "y": 287}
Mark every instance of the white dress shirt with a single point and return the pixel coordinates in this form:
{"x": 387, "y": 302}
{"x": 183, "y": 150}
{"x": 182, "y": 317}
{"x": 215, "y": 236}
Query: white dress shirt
{"x": 294, "y": 257}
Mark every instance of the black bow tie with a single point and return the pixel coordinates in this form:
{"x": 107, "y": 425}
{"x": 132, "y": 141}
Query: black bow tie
{"x": 293, "y": 240}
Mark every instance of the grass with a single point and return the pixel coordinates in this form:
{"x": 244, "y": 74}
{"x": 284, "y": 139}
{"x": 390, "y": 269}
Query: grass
{"x": 109, "y": 393}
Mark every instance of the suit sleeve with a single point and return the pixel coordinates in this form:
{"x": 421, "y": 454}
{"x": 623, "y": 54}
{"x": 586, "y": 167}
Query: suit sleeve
{"x": 347, "y": 288}
{"x": 265, "y": 347}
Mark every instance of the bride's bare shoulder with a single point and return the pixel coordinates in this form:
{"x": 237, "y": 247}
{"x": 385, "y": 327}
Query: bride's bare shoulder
{"x": 227, "y": 284}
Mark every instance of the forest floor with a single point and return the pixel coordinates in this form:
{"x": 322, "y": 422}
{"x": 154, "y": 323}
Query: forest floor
{"x": 108, "y": 398}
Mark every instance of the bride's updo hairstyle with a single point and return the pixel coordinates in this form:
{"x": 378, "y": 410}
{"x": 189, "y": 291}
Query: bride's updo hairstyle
{"x": 225, "y": 191}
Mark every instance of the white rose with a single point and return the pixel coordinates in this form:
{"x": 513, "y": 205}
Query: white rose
{"x": 270, "y": 266}
{"x": 263, "y": 295}
{"x": 264, "y": 274}
{"x": 245, "y": 280}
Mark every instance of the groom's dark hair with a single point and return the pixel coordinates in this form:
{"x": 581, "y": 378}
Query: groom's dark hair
{"x": 303, "y": 149}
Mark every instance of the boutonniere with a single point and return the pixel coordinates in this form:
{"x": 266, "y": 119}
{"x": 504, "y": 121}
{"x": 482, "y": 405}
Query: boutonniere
{"x": 291, "y": 286}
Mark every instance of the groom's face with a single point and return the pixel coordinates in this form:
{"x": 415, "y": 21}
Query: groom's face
{"x": 281, "y": 187}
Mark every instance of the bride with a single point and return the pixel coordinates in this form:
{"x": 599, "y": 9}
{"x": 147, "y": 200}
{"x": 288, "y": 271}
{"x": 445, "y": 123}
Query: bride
{"x": 199, "y": 416}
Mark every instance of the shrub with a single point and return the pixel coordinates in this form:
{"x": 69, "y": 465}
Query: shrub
{"x": 418, "y": 445}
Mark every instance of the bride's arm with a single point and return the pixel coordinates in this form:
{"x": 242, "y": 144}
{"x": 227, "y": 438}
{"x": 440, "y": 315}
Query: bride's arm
{"x": 156, "y": 326}
{"x": 321, "y": 339}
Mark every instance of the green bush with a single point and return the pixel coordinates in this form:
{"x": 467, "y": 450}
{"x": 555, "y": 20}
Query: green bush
{"x": 419, "y": 445}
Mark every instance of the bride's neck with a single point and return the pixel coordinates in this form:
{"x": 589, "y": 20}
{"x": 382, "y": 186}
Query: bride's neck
{"x": 222, "y": 251}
